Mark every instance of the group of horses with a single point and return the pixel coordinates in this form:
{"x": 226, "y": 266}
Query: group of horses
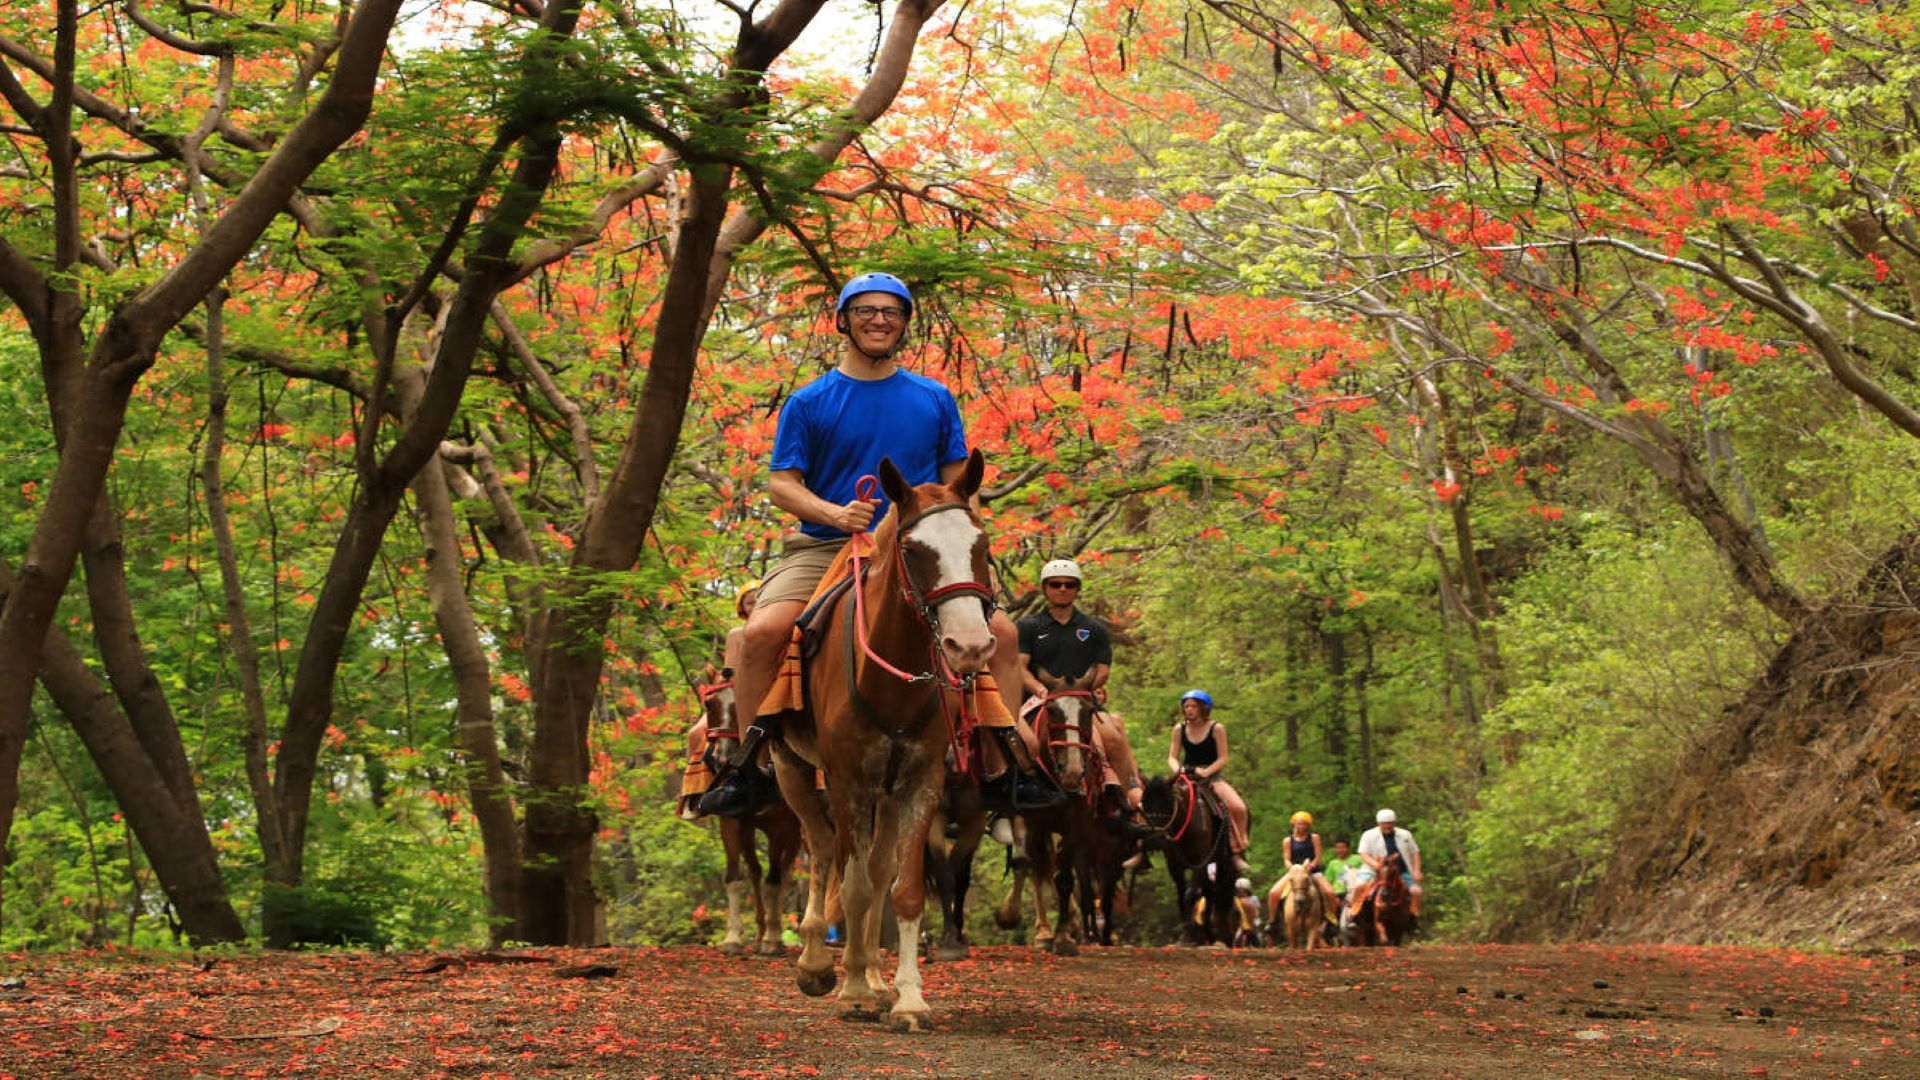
{"x": 889, "y": 685}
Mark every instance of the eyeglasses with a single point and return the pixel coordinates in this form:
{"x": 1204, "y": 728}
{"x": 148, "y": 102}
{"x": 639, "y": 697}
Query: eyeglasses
{"x": 871, "y": 312}
{"x": 1063, "y": 584}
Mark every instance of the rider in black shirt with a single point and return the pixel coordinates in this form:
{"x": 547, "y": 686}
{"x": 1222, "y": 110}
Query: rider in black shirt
{"x": 1067, "y": 643}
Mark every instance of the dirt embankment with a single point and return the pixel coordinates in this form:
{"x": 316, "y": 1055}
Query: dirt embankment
{"x": 1798, "y": 819}
{"x": 1427, "y": 1012}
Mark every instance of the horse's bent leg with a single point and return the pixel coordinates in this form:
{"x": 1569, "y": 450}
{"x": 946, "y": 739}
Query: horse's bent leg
{"x": 1007, "y": 915}
{"x": 910, "y": 900}
{"x": 796, "y": 785}
{"x": 884, "y": 866}
{"x": 1040, "y": 874}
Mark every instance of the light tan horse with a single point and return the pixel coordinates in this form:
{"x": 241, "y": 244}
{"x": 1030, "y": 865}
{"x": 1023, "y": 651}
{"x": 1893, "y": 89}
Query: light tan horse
{"x": 890, "y": 679}
{"x": 1302, "y": 909}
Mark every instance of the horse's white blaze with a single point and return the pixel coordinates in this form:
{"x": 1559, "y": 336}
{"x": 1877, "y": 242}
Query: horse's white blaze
{"x": 951, "y": 537}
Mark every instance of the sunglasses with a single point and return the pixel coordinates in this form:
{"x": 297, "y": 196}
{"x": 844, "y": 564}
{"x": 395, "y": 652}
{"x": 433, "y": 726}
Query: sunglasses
{"x": 1063, "y": 584}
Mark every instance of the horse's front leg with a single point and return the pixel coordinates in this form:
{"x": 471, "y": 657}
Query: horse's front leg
{"x": 1040, "y": 874}
{"x": 853, "y": 813}
{"x": 796, "y": 787}
{"x": 734, "y": 836}
{"x": 1065, "y": 929}
{"x": 913, "y": 814}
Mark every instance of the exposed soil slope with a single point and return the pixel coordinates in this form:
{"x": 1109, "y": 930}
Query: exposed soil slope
{"x": 1798, "y": 820}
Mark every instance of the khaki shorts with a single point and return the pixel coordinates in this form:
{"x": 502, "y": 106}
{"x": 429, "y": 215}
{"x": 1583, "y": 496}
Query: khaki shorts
{"x": 803, "y": 562}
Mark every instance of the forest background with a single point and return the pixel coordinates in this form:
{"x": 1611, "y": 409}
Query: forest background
{"x": 1473, "y": 396}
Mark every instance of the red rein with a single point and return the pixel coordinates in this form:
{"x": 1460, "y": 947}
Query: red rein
{"x": 938, "y": 670}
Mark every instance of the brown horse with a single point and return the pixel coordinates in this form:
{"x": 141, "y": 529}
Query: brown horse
{"x": 1190, "y": 827}
{"x": 1387, "y": 910}
{"x": 1064, "y": 728}
{"x": 1302, "y": 908}
{"x": 775, "y": 822}
{"x": 890, "y": 692}
{"x": 950, "y": 859}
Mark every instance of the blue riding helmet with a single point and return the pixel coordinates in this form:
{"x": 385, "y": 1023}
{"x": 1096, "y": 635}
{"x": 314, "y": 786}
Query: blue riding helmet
{"x": 1200, "y": 696}
{"x": 875, "y": 282}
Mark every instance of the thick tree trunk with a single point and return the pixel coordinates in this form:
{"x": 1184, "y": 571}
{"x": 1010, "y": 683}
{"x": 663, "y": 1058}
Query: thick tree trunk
{"x": 488, "y": 270}
{"x": 556, "y": 884}
{"x": 173, "y": 837}
{"x": 125, "y": 347}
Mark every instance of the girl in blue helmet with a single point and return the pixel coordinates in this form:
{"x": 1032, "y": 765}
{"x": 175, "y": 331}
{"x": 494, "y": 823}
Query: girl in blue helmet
{"x": 1200, "y": 747}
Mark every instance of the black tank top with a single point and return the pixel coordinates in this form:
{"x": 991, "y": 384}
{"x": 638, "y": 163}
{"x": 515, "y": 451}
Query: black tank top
{"x": 1393, "y": 844}
{"x": 1198, "y": 755}
{"x": 1299, "y": 851}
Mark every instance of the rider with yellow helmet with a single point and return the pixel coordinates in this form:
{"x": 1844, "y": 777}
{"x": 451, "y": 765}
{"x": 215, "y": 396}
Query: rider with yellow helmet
{"x": 1303, "y": 848}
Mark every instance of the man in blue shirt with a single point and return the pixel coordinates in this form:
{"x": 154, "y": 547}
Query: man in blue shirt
{"x": 832, "y": 432}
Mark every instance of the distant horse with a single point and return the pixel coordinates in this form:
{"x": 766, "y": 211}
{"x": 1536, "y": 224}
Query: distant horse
{"x": 1387, "y": 911}
{"x": 950, "y": 859}
{"x": 776, "y": 822}
{"x": 1191, "y": 829}
{"x": 1302, "y": 909}
{"x": 881, "y": 730}
{"x": 1064, "y": 728}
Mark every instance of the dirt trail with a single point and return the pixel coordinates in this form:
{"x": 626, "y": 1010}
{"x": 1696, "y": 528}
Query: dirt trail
{"x": 1427, "y": 1011}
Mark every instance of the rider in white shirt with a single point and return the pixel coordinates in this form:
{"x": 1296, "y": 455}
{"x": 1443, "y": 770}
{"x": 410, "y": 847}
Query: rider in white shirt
{"x": 1387, "y": 838}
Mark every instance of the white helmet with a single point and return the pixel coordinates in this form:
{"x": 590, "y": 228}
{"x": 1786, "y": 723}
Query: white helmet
{"x": 1383, "y": 817}
{"x": 1060, "y": 568}
{"x": 1243, "y": 885}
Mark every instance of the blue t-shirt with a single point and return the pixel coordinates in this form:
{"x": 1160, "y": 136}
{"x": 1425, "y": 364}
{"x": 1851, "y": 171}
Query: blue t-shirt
{"x": 835, "y": 430}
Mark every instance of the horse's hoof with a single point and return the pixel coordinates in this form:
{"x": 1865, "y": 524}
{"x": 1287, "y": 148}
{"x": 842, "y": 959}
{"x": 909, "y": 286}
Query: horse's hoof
{"x": 770, "y": 948}
{"x": 732, "y": 948}
{"x": 1005, "y": 921}
{"x": 953, "y": 952}
{"x": 1064, "y": 946}
{"x": 909, "y": 1022}
{"x": 817, "y": 983}
{"x": 858, "y": 1012}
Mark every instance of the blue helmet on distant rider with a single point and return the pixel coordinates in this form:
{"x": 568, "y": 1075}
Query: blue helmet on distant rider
{"x": 872, "y": 283}
{"x": 1200, "y": 696}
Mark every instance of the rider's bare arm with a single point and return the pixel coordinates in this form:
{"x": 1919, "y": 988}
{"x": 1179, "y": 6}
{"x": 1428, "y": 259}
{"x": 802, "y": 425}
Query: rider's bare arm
{"x": 1318, "y": 858}
{"x": 1173, "y": 751}
{"x": 788, "y": 490}
{"x": 1028, "y": 680}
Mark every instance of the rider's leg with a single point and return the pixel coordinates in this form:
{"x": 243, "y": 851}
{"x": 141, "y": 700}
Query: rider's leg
{"x": 1326, "y": 889}
{"x": 697, "y": 776}
{"x": 1236, "y": 813}
{"x": 1414, "y": 887}
{"x": 1012, "y": 744}
{"x": 1274, "y": 896}
{"x": 1111, "y": 731}
{"x": 763, "y": 648}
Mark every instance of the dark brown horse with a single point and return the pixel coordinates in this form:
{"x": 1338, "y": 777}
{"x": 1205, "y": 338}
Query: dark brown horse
{"x": 1387, "y": 910}
{"x": 890, "y": 693}
{"x": 1190, "y": 828}
{"x": 952, "y": 840}
{"x": 1061, "y": 841}
{"x": 744, "y": 872}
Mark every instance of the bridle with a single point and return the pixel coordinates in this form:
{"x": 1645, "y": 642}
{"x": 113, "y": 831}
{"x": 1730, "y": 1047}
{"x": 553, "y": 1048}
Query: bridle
{"x": 1192, "y": 797}
{"x": 924, "y": 604}
{"x": 1085, "y": 743}
{"x": 707, "y": 694}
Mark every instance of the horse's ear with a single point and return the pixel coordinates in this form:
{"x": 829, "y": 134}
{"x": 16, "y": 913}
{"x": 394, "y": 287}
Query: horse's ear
{"x": 894, "y": 484}
{"x": 970, "y": 477}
